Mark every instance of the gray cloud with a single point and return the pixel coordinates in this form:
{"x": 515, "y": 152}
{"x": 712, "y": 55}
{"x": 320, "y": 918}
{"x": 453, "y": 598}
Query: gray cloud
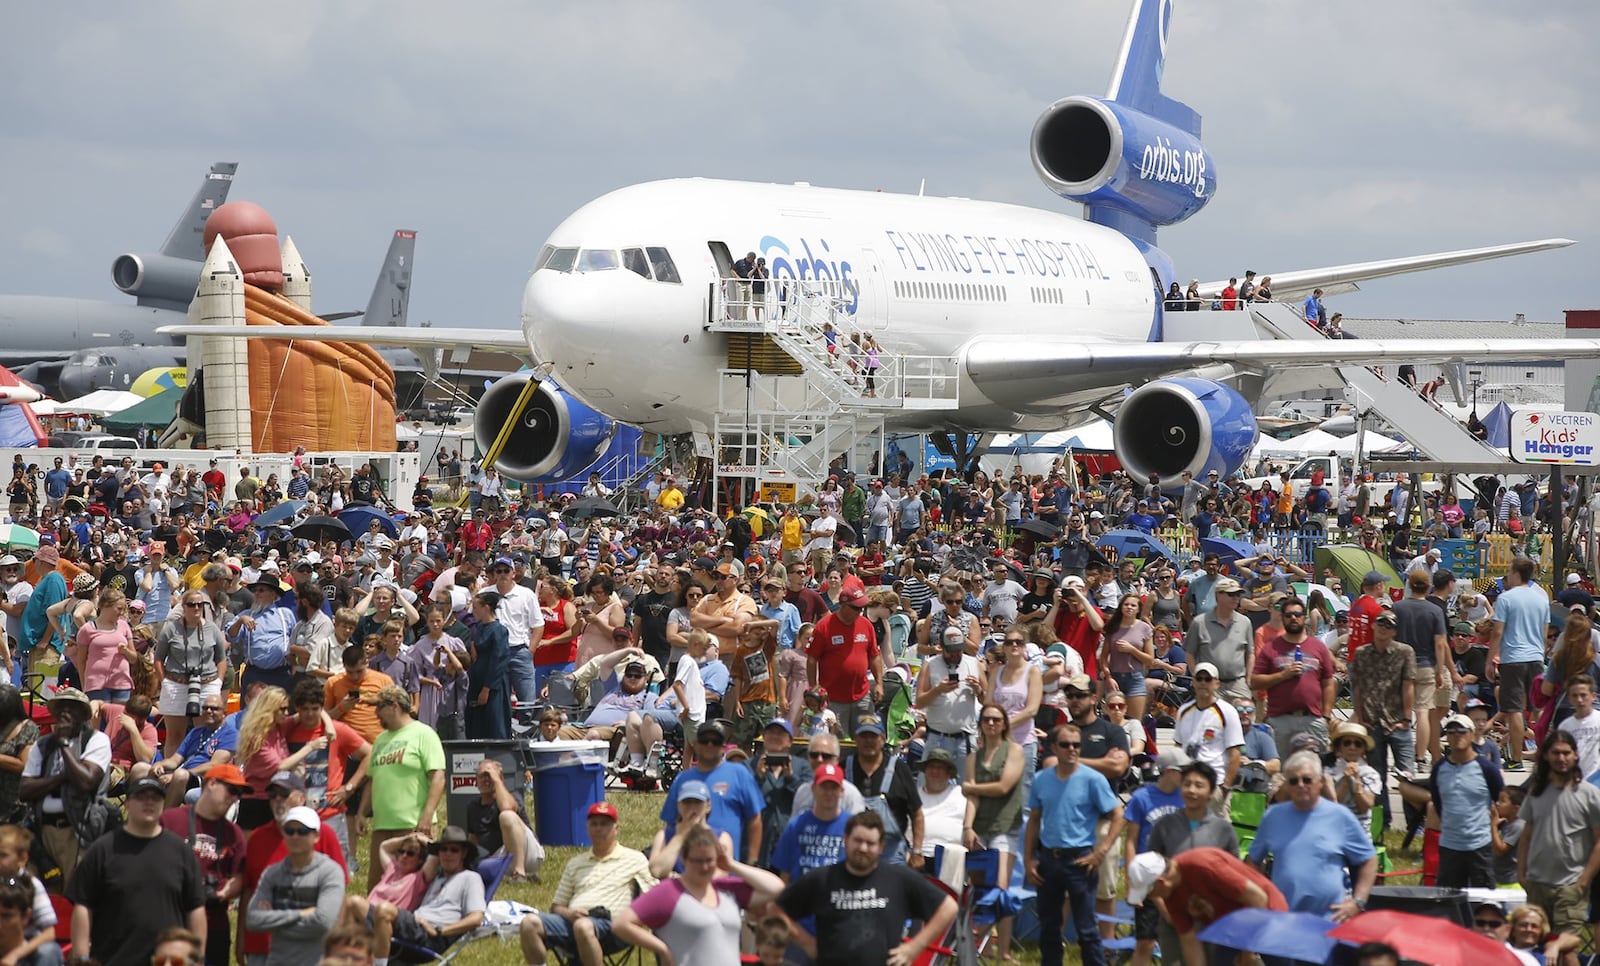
{"x": 1340, "y": 131}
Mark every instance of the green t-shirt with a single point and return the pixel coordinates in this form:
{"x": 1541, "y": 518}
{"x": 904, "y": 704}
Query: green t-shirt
{"x": 401, "y": 761}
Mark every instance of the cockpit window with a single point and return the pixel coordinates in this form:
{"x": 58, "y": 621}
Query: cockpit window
{"x": 633, "y": 261}
{"x": 662, "y": 262}
{"x": 561, "y": 259}
{"x": 597, "y": 260}
{"x": 544, "y": 257}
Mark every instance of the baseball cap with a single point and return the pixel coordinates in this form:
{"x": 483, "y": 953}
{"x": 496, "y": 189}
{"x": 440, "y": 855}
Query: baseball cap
{"x": 940, "y": 755}
{"x": 634, "y": 667}
{"x": 1462, "y": 627}
{"x": 855, "y": 598}
{"x": 953, "y": 638}
{"x": 148, "y": 783}
{"x": 828, "y": 772}
{"x": 288, "y": 779}
{"x": 1171, "y": 760}
{"x": 1571, "y": 578}
{"x": 724, "y": 570}
{"x": 781, "y": 723}
{"x": 1227, "y": 585}
{"x": 1072, "y": 580}
{"x": 1374, "y": 577}
{"x": 504, "y": 562}
{"x": 1143, "y": 872}
{"x": 1206, "y": 667}
{"x": 694, "y": 791}
{"x": 1456, "y": 721}
{"x": 869, "y": 724}
{"x": 704, "y": 563}
{"x": 1387, "y": 619}
{"x": 228, "y": 774}
{"x": 605, "y": 809}
{"x": 1079, "y": 682}
{"x": 302, "y": 815}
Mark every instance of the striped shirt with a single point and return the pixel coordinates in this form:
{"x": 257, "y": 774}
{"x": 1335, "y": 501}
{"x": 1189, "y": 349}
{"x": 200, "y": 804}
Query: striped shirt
{"x": 588, "y": 880}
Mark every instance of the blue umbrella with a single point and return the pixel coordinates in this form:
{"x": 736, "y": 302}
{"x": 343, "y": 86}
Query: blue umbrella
{"x": 1292, "y": 935}
{"x": 1133, "y": 543}
{"x": 1228, "y": 550}
{"x": 278, "y": 514}
{"x": 359, "y": 518}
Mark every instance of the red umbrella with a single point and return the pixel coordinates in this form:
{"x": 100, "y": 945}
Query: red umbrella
{"x": 1437, "y": 942}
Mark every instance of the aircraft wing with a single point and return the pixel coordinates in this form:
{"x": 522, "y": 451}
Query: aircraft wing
{"x": 419, "y": 337}
{"x": 1335, "y": 279}
{"x": 1031, "y": 376}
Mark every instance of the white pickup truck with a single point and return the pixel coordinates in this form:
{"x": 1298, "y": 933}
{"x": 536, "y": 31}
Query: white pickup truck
{"x": 1335, "y": 474}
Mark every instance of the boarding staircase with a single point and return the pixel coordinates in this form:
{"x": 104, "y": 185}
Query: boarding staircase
{"x": 788, "y": 428}
{"x": 798, "y": 314}
{"x": 1434, "y": 432}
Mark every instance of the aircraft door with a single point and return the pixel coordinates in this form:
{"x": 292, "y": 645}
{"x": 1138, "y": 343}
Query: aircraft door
{"x": 872, "y": 292}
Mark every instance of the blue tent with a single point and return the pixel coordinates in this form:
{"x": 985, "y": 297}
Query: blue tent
{"x": 1498, "y": 425}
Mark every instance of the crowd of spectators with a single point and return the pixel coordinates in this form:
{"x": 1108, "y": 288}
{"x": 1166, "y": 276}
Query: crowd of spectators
{"x": 998, "y": 686}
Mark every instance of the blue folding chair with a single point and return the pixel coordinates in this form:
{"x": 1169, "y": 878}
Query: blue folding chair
{"x": 492, "y": 871}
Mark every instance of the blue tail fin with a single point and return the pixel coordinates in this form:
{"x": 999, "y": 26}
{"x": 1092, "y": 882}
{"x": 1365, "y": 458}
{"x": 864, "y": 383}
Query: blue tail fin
{"x": 1136, "y": 80}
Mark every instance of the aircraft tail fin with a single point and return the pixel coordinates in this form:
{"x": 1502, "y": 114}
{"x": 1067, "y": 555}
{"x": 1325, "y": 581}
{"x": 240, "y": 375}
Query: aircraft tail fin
{"x": 391, "y": 296}
{"x": 1136, "y": 80}
{"x": 187, "y": 238}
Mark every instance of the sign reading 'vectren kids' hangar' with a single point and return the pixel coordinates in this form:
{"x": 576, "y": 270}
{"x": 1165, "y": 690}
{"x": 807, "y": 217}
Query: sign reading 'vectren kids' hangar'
{"x": 1571, "y": 439}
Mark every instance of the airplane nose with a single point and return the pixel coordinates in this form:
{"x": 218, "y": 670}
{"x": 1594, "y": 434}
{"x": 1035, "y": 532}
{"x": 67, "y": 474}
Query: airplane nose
{"x": 568, "y": 318}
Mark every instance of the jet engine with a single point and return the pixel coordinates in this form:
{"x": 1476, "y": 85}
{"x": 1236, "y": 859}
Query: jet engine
{"x": 554, "y": 438}
{"x": 157, "y": 279}
{"x": 1102, "y": 153}
{"x": 1172, "y": 425}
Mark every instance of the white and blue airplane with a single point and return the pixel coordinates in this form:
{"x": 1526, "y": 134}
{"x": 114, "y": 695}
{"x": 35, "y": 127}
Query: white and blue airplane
{"x": 931, "y": 276}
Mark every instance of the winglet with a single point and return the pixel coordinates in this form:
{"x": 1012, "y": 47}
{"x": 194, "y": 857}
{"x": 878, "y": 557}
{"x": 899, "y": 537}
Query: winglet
{"x": 1136, "y": 80}
{"x": 391, "y": 296}
{"x": 187, "y": 238}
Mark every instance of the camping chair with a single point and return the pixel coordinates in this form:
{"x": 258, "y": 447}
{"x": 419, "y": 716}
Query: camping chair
{"x": 1244, "y": 811}
{"x": 63, "y": 909}
{"x": 1120, "y": 946}
{"x": 492, "y": 871}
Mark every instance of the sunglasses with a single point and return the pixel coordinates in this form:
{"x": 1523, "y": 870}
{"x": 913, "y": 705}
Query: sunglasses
{"x": 1203, "y": 678}
{"x": 821, "y": 756}
{"x": 1069, "y": 744}
{"x": 277, "y": 793}
{"x": 1016, "y": 640}
{"x": 1488, "y": 923}
{"x": 1116, "y": 704}
{"x": 710, "y": 740}
{"x": 171, "y": 961}
{"x": 1303, "y": 780}
{"x": 1351, "y": 743}
{"x": 991, "y": 719}
{"x": 298, "y": 830}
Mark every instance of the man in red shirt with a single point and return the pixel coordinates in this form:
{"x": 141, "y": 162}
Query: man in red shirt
{"x": 476, "y": 533}
{"x": 1078, "y": 623}
{"x": 219, "y": 846}
{"x": 1296, "y": 671}
{"x": 214, "y": 481}
{"x": 1198, "y": 887}
{"x": 843, "y": 649}
{"x": 1362, "y": 612}
{"x": 265, "y": 847}
{"x": 328, "y": 789}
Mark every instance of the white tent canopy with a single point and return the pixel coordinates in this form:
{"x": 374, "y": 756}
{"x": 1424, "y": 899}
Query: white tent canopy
{"x": 1319, "y": 443}
{"x": 1094, "y": 437}
{"x": 45, "y": 407}
{"x": 101, "y": 402}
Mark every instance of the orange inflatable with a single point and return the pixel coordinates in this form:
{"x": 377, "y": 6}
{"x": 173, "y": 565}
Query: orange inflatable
{"x": 320, "y": 395}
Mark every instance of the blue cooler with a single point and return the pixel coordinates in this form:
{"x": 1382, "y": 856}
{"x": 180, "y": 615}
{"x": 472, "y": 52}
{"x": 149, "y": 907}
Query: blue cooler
{"x": 568, "y": 777}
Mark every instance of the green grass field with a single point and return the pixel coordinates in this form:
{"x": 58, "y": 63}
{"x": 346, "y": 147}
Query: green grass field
{"x": 639, "y": 812}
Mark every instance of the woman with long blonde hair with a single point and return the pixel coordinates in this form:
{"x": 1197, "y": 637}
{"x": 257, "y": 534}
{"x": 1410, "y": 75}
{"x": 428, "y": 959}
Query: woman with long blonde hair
{"x": 263, "y": 751}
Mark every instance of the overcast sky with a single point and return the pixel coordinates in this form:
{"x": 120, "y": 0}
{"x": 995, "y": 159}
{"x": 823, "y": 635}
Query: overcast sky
{"x": 1340, "y": 132}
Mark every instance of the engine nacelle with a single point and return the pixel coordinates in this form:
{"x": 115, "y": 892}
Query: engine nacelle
{"x": 156, "y": 278}
{"x": 1099, "y": 152}
{"x": 555, "y": 438}
{"x": 1172, "y": 425}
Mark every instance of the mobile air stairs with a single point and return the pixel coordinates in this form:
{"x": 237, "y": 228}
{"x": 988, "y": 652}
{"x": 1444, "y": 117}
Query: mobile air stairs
{"x": 1434, "y": 432}
{"x": 795, "y": 393}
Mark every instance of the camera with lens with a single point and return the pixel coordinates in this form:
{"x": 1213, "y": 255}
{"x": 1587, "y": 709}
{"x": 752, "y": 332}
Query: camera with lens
{"x": 191, "y": 706}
